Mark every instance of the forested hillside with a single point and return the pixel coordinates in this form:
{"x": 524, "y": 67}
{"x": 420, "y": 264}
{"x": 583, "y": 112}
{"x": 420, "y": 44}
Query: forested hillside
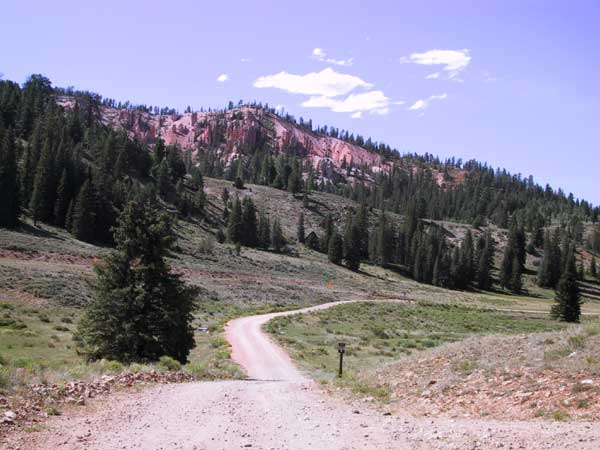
{"x": 72, "y": 159}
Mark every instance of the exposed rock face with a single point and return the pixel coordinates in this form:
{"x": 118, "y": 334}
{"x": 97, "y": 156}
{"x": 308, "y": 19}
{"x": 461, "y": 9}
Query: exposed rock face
{"x": 240, "y": 131}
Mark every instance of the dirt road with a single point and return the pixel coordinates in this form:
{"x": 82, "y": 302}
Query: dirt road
{"x": 278, "y": 408}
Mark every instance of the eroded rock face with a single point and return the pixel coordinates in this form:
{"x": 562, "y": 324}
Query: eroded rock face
{"x": 241, "y": 131}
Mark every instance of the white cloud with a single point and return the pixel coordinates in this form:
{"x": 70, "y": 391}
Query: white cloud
{"x": 357, "y": 115}
{"x": 246, "y": 60}
{"x": 320, "y": 55}
{"x": 424, "y": 102}
{"x": 223, "y": 78}
{"x": 372, "y": 101}
{"x": 327, "y": 83}
{"x": 454, "y": 61}
{"x": 433, "y": 76}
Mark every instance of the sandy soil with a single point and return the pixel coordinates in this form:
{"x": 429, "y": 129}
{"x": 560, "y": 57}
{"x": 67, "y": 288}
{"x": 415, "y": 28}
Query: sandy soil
{"x": 278, "y": 408}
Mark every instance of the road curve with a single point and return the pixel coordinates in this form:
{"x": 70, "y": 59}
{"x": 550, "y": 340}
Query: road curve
{"x": 255, "y": 351}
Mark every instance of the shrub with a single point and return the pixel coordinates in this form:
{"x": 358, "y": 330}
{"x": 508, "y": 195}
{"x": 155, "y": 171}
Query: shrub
{"x": 44, "y": 318}
{"x": 577, "y": 341}
{"x": 168, "y": 363}
{"x": 198, "y": 370}
{"x": 111, "y": 366}
{"x": 25, "y": 363}
{"x": 560, "y": 416}
{"x": 4, "y": 377}
{"x": 138, "y": 368}
{"x": 207, "y": 245}
{"x": 52, "y": 411}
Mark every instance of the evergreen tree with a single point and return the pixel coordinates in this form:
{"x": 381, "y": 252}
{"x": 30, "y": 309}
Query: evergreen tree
{"x": 352, "y": 243}
{"x": 336, "y": 248}
{"x": 516, "y": 277}
{"x": 249, "y": 223}
{"x": 84, "y": 214}
{"x": 544, "y": 277}
{"x": 9, "y": 183}
{"x": 593, "y": 268}
{"x": 159, "y": 152}
{"x": 62, "y": 201}
{"x": 567, "y": 306}
{"x": 581, "y": 272}
{"x": 295, "y": 180}
{"x": 362, "y": 222}
{"x": 328, "y": 232}
{"x": 234, "y": 222}
{"x": 141, "y": 310}
{"x": 301, "y": 232}
{"x": 380, "y": 248}
{"x": 42, "y": 198}
{"x": 486, "y": 262}
{"x": 225, "y": 196}
{"x": 164, "y": 183}
{"x": 277, "y": 240}
{"x": 264, "y": 231}
{"x": 69, "y": 217}
{"x": 466, "y": 261}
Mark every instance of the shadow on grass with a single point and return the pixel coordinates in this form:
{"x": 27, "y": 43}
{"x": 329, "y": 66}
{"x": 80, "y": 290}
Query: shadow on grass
{"x": 27, "y": 228}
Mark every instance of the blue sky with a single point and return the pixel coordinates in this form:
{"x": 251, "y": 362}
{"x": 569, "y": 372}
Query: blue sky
{"x": 513, "y": 83}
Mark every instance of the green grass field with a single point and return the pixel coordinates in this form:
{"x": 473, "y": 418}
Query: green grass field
{"x": 379, "y": 333}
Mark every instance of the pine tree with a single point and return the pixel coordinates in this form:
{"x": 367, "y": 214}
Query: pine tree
{"x": 198, "y": 202}
{"x": 225, "y": 196}
{"x": 197, "y": 179}
{"x": 69, "y": 217}
{"x": 62, "y": 201}
{"x": 593, "y": 268}
{"x": 234, "y": 222}
{"x": 301, "y": 232}
{"x": 141, "y": 310}
{"x": 163, "y": 183}
{"x": 352, "y": 243}
{"x": 9, "y": 184}
{"x": 295, "y": 180}
{"x": 249, "y": 223}
{"x": 159, "y": 152}
{"x": 362, "y": 222}
{"x": 328, "y": 232}
{"x": 544, "y": 277}
{"x": 516, "y": 277}
{"x": 336, "y": 248}
{"x": 506, "y": 267}
{"x": 277, "y": 240}
{"x": 567, "y": 306}
{"x": 264, "y": 231}
{"x": 84, "y": 214}
{"x": 486, "y": 262}
{"x": 42, "y": 198}
{"x": 581, "y": 272}
{"x": 466, "y": 261}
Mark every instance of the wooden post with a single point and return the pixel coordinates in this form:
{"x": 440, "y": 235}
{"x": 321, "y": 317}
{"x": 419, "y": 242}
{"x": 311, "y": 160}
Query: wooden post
{"x": 341, "y": 350}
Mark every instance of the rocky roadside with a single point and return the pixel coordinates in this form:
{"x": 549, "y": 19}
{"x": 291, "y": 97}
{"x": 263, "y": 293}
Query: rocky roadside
{"x": 33, "y": 405}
